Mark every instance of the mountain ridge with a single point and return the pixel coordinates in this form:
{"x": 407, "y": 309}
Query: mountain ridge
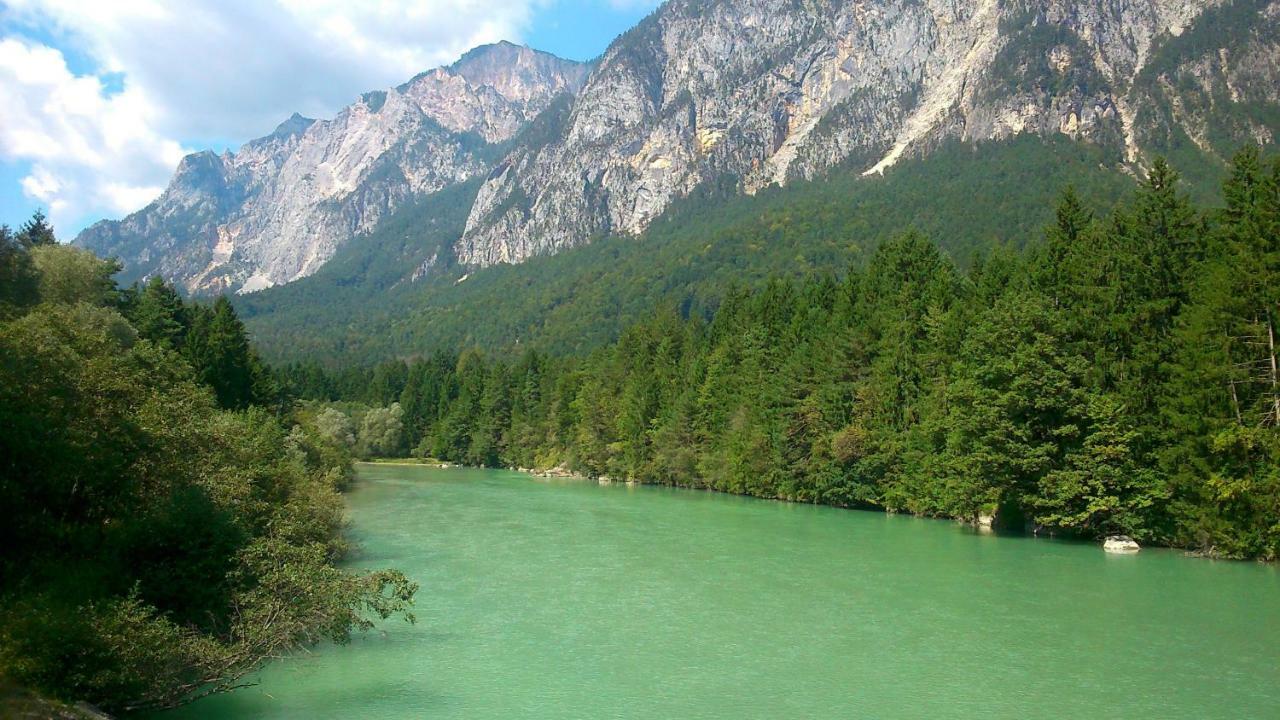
{"x": 277, "y": 208}
{"x": 745, "y": 95}
{"x": 767, "y": 91}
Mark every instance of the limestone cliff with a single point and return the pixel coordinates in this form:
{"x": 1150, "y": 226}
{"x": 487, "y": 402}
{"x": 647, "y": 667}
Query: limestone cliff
{"x": 278, "y": 207}
{"x": 766, "y": 91}
{"x": 742, "y": 93}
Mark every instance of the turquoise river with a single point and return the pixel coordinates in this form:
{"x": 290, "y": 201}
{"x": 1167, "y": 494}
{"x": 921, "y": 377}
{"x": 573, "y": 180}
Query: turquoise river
{"x": 567, "y": 599}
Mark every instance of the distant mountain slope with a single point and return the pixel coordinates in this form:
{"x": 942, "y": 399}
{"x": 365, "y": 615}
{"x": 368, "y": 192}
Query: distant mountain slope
{"x": 279, "y": 207}
{"x": 362, "y": 307}
{"x": 769, "y": 91}
{"x": 723, "y": 98}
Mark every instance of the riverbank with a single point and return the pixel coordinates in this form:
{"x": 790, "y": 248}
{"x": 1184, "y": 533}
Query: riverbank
{"x": 20, "y": 703}
{"x": 982, "y": 523}
{"x": 408, "y": 462}
{"x": 563, "y": 599}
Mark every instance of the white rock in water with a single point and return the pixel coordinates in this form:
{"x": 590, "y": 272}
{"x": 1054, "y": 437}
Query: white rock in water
{"x": 1120, "y": 544}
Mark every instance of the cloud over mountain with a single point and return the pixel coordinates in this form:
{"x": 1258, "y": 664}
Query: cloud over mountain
{"x": 99, "y": 130}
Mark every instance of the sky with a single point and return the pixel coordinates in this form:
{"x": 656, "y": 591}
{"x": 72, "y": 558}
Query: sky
{"x": 100, "y": 99}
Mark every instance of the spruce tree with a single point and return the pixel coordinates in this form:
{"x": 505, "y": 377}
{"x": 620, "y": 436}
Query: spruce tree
{"x": 159, "y": 314}
{"x": 37, "y": 231}
{"x": 218, "y": 350}
{"x": 19, "y": 284}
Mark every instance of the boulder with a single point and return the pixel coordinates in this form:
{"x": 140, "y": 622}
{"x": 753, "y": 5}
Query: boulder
{"x": 1120, "y": 544}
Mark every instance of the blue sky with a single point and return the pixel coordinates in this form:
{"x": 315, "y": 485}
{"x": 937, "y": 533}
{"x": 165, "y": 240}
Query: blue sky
{"x": 100, "y": 99}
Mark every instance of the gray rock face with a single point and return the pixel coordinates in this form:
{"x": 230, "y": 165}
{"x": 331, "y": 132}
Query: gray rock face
{"x": 745, "y": 92}
{"x": 276, "y": 209}
{"x": 767, "y": 91}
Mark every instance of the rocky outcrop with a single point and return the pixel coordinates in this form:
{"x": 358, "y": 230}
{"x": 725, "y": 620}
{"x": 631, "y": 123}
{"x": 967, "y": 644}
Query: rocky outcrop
{"x": 559, "y": 471}
{"x": 1120, "y": 545}
{"x": 767, "y": 91}
{"x": 276, "y": 209}
{"x": 18, "y": 703}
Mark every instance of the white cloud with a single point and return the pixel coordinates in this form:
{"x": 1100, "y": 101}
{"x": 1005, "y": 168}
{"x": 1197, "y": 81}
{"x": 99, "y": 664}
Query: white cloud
{"x": 87, "y": 149}
{"x": 199, "y": 72}
{"x": 235, "y": 68}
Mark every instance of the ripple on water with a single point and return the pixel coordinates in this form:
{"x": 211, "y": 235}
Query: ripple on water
{"x": 567, "y": 599}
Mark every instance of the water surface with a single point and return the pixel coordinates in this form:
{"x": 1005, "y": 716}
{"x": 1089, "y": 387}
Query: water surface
{"x": 564, "y": 599}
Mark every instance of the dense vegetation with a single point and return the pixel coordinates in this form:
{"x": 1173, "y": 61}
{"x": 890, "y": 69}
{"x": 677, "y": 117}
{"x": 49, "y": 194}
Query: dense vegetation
{"x": 362, "y": 307}
{"x": 1119, "y": 376}
{"x": 170, "y": 521}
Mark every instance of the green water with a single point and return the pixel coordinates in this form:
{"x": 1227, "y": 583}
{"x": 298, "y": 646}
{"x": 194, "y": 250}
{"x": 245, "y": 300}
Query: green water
{"x": 563, "y": 599}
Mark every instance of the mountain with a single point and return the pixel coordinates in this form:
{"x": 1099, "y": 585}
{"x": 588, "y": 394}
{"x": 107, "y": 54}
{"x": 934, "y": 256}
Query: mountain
{"x": 361, "y": 309}
{"x": 768, "y": 91}
{"x": 279, "y": 207}
{"x": 707, "y": 107}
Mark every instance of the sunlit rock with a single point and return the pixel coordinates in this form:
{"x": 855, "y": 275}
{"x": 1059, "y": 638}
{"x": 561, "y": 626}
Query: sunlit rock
{"x": 1120, "y": 544}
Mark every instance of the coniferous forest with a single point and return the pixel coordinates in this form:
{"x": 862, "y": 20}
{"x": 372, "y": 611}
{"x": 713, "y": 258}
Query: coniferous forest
{"x": 180, "y": 518}
{"x": 681, "y": 358}
{"x": 1118, "y": 376}
{"x": 171, "y": 520}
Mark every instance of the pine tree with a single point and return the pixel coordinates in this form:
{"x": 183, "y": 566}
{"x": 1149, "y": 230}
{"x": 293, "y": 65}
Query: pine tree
{"x": 1103, "y": 488}
{"x": 159, "y": 314}
{"x": 19, "y": 284}
{"x": 36, "y": 231}
{"x": 218, "y": 350}
{"x": 1017, "y": 402}
{"x": 1055, "y": 272}
{"x": 1224, "y": 391}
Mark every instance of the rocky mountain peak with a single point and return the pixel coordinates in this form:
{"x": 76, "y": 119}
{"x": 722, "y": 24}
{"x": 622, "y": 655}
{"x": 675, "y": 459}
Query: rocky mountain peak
{"x": 494, "y": 90}
{"x": 295, "y": 125}
{"x": 741, "y": 93}
{"x": 519, "y": 73}
{"x": 278, "y": 208}
{"x": 770, "y": 91}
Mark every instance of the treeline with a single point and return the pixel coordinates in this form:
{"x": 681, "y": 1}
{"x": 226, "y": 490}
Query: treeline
{"x": 1120, "y": 376}
{"x": 170, "y": 521}
{"x": 361, "y": 308}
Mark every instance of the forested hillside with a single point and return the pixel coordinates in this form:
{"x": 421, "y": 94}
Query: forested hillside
{"x": 1116, "y": 376}
{"x": 364, "y": 305}
{"x": 171, "y": 520}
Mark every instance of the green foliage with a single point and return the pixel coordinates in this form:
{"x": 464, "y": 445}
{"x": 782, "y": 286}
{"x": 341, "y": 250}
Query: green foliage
{"x": 36, "y": 231}
{"x": 364, "y": 306}
{"x": 160, "y": 316}
{"x": 158, "y": 546}
{"x": 1014, "y": 411}
{"x": 1102, "y": 489}
{"x": 382, "y": 432}
{"x": 335, "y": 427}
{"x": 1116, "y": 377}
{"x": 218, "y": 349}
{"x": 1223, "y": 398}
{"x": 68, "y": 275}
{"x": 19, "y": 283}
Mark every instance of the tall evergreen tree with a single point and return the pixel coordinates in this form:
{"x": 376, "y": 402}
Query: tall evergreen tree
{"x": 159, "y": 314}
{"x": 1055, "y": 273}
{"x": 19, "y": 283}
{"x": 1223, "y": 402}
{"x": 218, "y": 350}
{"x": 36, "y": 231}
